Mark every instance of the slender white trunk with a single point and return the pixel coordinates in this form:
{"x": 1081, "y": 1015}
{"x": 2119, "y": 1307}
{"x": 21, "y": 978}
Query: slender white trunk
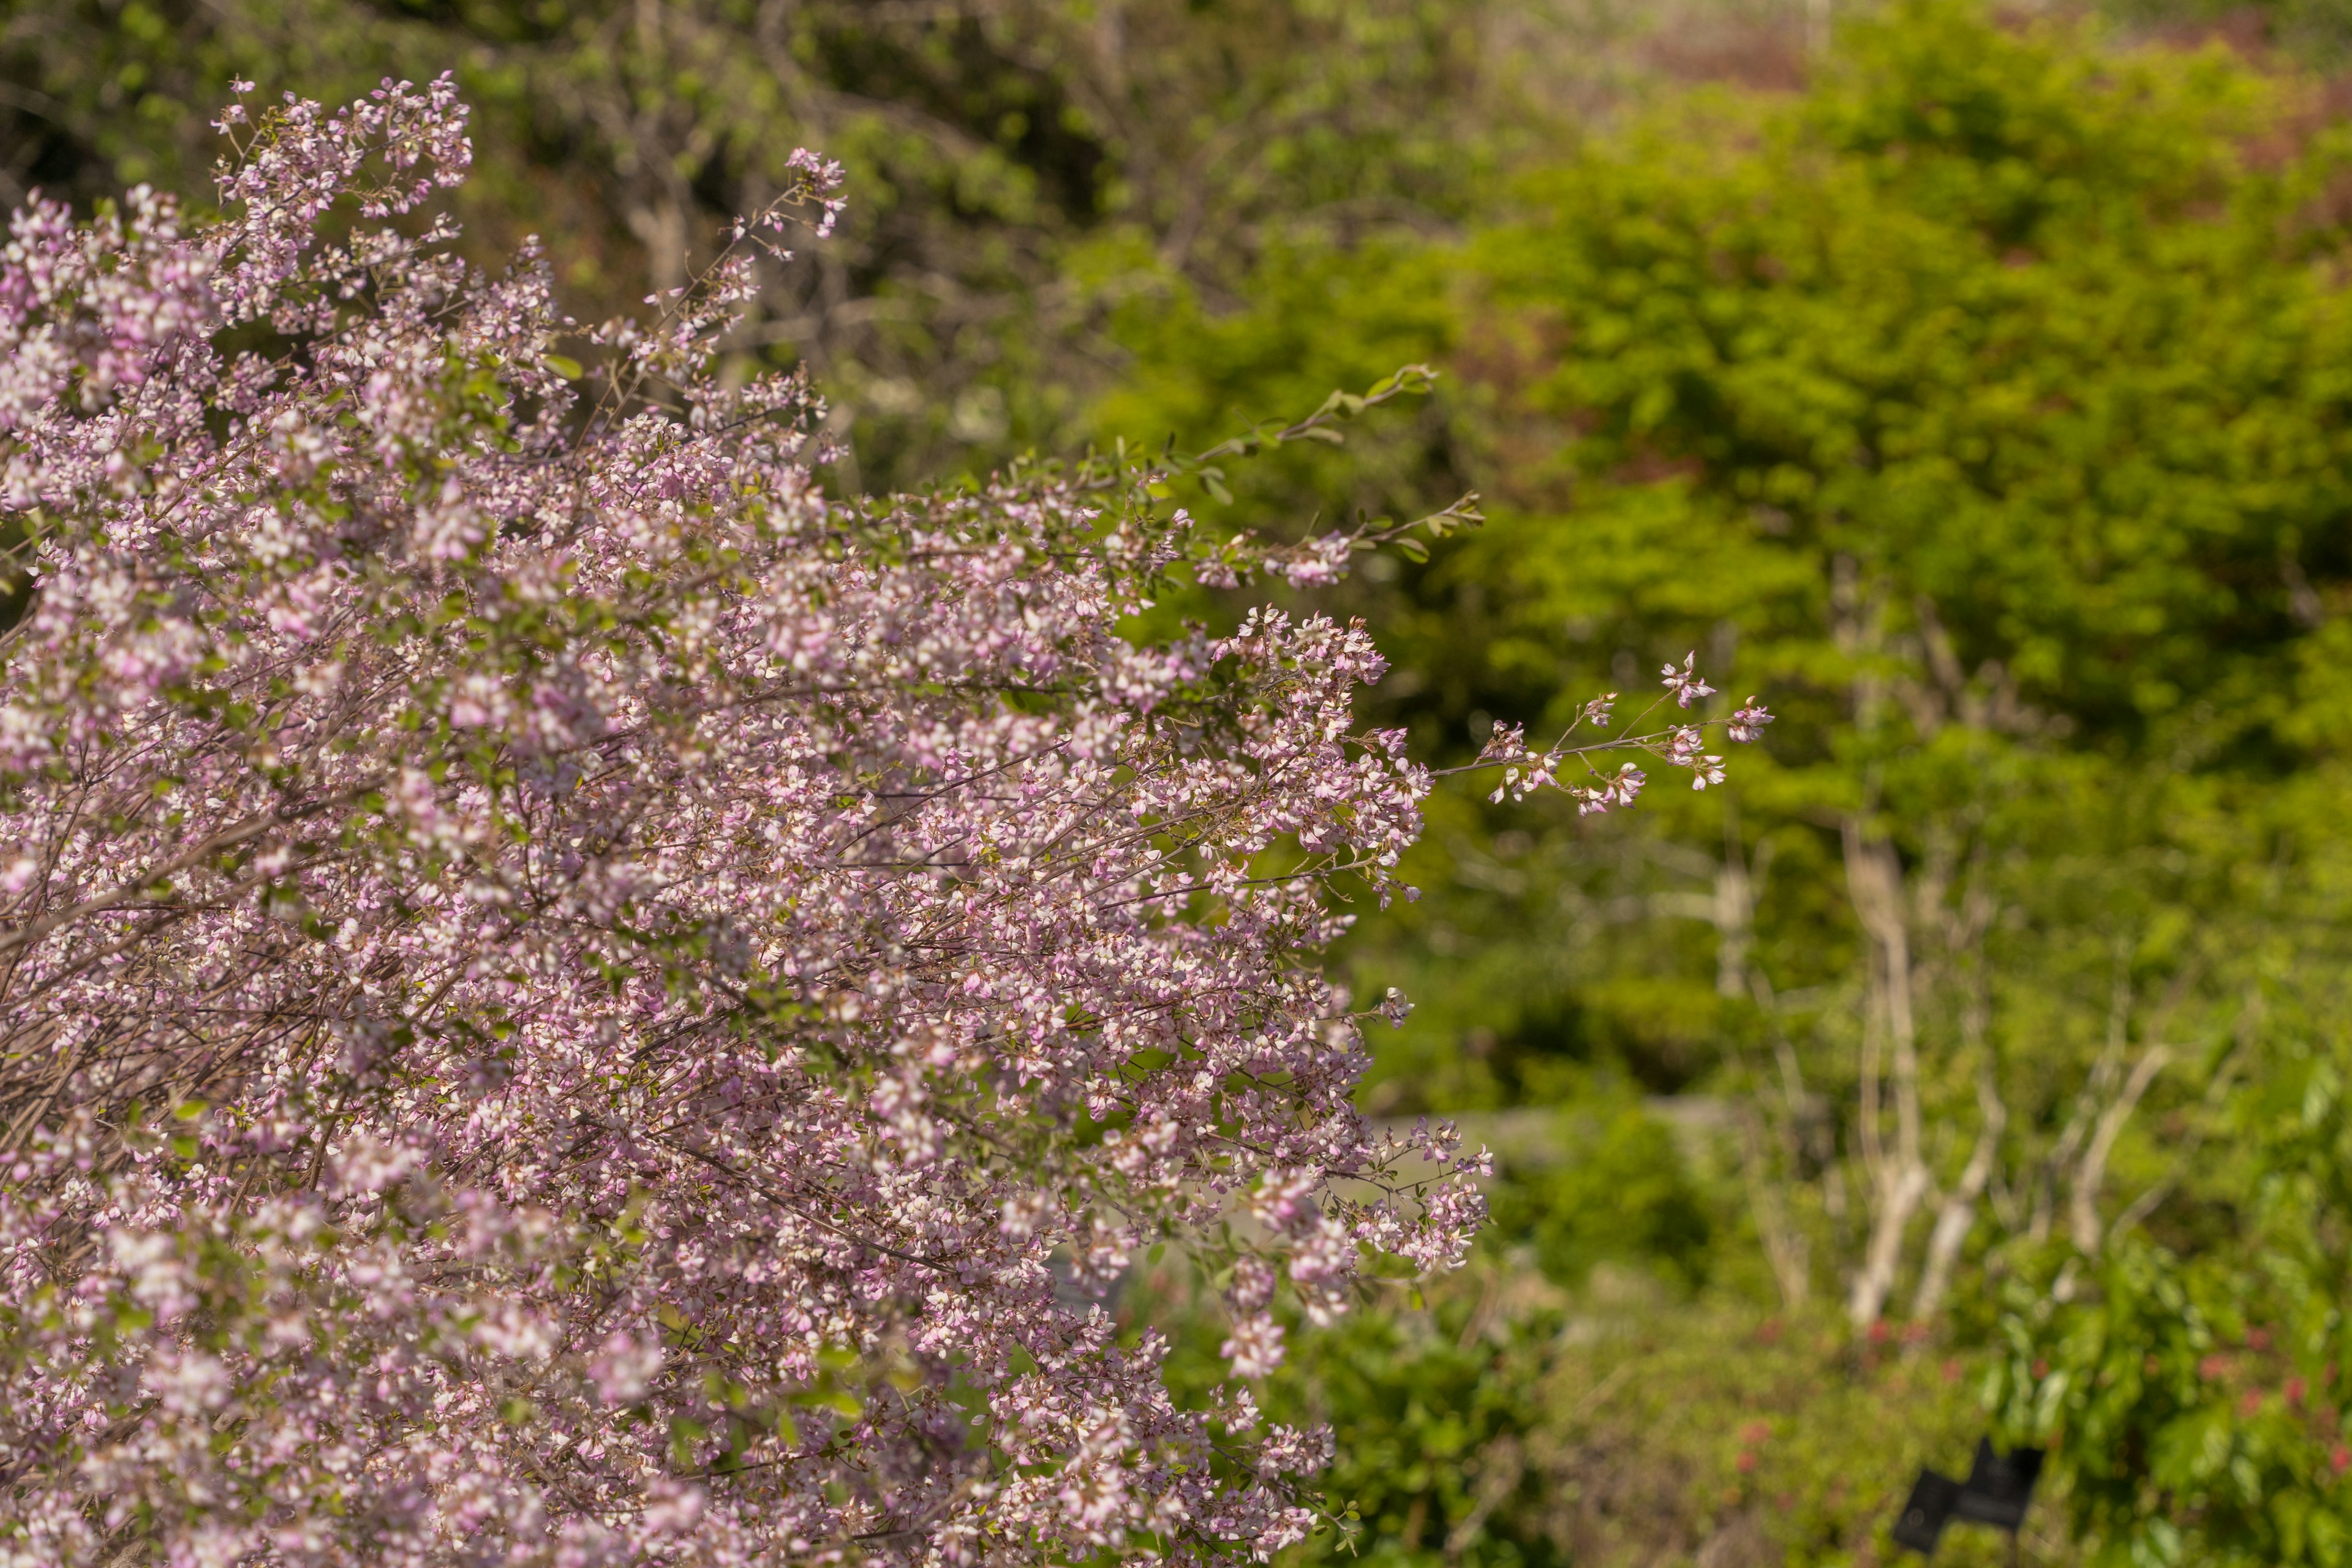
{"x": 1899, "y": 1181}
{"x": 1898, "y": 1200}
{"x": 2083, "y": 1212}
{"x": 1958, "y": 1214}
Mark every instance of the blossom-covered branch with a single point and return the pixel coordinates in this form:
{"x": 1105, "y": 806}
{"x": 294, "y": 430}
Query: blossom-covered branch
{"x": 567, "y": 997}
{"x": 1682, "y": 745}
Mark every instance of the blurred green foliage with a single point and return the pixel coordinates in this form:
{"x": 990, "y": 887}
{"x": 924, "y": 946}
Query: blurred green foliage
{"x": 2197, "y": 1395}
{"x": 1506, "y": 1422}
{"x": 1618, "y": 1192}
{"x": 1985, "y": 406}
{"x": 1019, "y": 168}
{"x": 1977, "y": 390}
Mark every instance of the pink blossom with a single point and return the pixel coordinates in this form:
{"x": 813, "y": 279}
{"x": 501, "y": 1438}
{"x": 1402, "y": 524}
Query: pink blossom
{"x": 1318, "y": 562}
{"x": 1683, "y": 684}
{"x": 1254, "y": 1348}
{"x": 1747, "y": 723}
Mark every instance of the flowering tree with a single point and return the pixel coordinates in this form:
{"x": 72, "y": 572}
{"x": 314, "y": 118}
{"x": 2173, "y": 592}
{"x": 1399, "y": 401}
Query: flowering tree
{"x": 569, "y": 999}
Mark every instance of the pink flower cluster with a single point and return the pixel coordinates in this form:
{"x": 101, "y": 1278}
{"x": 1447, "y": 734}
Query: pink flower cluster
{"x": 1527, "y": 771}
{"x": 569, "y": 999}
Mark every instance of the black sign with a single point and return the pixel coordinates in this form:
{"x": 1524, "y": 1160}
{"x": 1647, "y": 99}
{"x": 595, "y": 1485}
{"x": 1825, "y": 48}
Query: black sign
{"x": 1933, "y": 1496}
{"x": 1997, "y": 1492}
{"x": 1999, "y": 1487}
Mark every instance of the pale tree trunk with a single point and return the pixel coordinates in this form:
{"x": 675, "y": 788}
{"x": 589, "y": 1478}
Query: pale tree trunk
{"x": 1958, "y": 1214}
{"x": 660, "y": 226}
{"x": 2108, "y": 1097}
{"x": 1899, "y": 1181}
{"x": 2088, "y": 1102}
{"x": 1964, "y": 925}
{"x": 2217, "y": 1090}
{"x": 2083, "y": 1212}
